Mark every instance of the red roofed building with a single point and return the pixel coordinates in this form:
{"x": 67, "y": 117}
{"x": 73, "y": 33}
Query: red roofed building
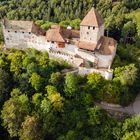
{"x": 80, "y": 48}
{"x": 92, "y": 35}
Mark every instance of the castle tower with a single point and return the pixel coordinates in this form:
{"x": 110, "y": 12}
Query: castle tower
{"x": 92, "y": 27}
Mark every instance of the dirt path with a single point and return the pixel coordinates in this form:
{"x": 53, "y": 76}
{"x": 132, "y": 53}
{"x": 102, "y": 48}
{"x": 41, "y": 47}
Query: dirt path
{"x": 132, "y": 109}
{"x": 136, "y": 105}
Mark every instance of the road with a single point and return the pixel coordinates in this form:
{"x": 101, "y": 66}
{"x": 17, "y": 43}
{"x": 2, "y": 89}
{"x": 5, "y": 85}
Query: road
{"x": 132, "y": 109}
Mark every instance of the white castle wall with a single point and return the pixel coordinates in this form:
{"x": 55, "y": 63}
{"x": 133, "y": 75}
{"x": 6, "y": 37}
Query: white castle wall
{"x": 26, "y": 40}
{"x": 104, "y": 61}
{"x": 107, "y": 74}
{"x": 21, "y": 39}
{"x": 17, "y": 39}
{"x": 66, "y": 57}
{"x": 87, "y": 56}
{"x": 70, "y": 49}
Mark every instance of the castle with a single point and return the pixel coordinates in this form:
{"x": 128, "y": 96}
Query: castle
{"x": 88, "y": 49}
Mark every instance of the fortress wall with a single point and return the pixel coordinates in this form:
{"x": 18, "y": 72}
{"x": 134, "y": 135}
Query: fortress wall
{"x": 89, "y": 57}
{"x": 104, "y": 61}
{"x": 107, "y": 74}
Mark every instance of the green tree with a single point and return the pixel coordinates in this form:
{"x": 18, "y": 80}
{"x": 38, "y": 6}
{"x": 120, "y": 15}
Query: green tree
{"x": 131, "y": 128}
{"x": 14, "y": 112}
{"x": 71, "y": 87}
{"x": 16, "y": 61}
{"x": 128, "y": 32}
{"x": 95, "y": 82}
{"x": 126, "y": 75}
{"x": 36, "y": 99}
{"x": 36, "y": 81}
{"x": 75, "y": 24}
{"x": 55, "y": 99}
{"x": 4, "y": 85}
{"x": 110, "y": 92}
{"x": 31, "y": 129}
{"x": 57, "y": 80}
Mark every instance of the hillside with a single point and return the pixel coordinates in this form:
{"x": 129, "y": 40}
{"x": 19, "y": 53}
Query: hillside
{"x": 64, "y": 10}
{"x": 40, "y": 102}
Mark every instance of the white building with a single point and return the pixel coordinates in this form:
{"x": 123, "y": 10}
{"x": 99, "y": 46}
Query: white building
{"x": 89, "y": 49}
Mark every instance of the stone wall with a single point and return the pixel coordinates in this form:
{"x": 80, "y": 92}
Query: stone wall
{"x": 91, "y": 34}
{"x": 107, "y": 74}
{"x": 88, "y": 56}
{"x": 70, "y": 49}
{"x": 104, "y": 61}
{"x": 100, "y": 32}
{"x": 17, "y": 39}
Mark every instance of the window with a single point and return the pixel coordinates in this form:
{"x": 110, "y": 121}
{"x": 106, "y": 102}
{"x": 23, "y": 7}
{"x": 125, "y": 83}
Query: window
{"x": 15, "y": 31}
{"x": 23, "y": 32}
{"x": 8, "y": 31}
{"x": 93, "y": 28}
{"x": 52, "y": 42}
{"x": 87, "y": 32}
{"x": 29, "y": 32}
{"x": 88, "y": 27}
{"x": 7, "y": 38}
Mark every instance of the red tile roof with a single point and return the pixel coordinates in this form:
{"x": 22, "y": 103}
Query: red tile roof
{"x": 87, "y": 45}
{"x": 108, "y": 46}
{"x": 93, "y": 18}
{"x": 54, "y": 35}
{"x": 26, "y": 26}
{"x": 105, "y": 45}
{"x": 60, "y": 34}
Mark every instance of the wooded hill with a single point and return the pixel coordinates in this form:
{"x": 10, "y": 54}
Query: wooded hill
{"x": 114, "y": 13}
{"x": 38, "y": 102}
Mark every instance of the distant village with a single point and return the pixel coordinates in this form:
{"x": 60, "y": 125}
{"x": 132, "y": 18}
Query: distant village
{"x": 88, "y": 49}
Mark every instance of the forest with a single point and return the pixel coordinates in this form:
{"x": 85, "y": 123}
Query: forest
{"x": 39, "y": 102}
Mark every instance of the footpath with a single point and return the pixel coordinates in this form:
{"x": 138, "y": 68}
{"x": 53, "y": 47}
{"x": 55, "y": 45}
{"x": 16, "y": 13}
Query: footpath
{"x": 132, "y": 109}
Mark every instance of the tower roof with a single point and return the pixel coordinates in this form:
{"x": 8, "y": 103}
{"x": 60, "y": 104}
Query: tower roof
{"x": 93, "y": 18}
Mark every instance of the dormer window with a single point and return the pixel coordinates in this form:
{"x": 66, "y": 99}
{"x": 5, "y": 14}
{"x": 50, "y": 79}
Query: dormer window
{"x": 93, "y": 28}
